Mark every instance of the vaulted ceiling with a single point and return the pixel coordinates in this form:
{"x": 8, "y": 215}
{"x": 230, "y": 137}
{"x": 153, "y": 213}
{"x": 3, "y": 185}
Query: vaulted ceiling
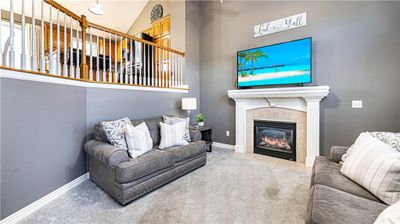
{"x": 120, "y": 14}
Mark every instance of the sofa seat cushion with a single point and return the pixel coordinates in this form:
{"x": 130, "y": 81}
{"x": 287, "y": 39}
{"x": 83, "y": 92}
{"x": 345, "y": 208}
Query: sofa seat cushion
{"x": 326, "y": 172}
{"x": 328, "y": 205}
{"x": 145, "y": 164}
{"x": 186, "y": 152}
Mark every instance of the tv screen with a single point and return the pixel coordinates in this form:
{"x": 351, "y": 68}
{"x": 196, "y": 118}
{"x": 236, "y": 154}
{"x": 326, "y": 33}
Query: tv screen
{"x": 279, "y": 64}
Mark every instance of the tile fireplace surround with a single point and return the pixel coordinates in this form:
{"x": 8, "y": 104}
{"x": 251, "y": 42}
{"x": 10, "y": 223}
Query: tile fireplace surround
{"x": 306, "y": 99}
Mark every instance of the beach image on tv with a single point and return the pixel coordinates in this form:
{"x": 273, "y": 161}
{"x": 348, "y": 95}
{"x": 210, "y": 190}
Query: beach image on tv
{"x": 286, "y": 63}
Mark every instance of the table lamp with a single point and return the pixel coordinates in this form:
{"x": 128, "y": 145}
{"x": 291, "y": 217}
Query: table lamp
{"x": 189, "y": 104}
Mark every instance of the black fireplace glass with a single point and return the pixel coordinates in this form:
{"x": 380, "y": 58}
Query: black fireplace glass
{"x": 276, "y": 139}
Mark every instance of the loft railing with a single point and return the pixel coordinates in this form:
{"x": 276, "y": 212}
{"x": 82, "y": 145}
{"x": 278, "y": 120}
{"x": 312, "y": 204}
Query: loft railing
{"x": 49, "y": 39}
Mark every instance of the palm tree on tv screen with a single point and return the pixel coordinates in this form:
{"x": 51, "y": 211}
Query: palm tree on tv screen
{"x": 254, "y": 56}
{"x": 244, "y": 58}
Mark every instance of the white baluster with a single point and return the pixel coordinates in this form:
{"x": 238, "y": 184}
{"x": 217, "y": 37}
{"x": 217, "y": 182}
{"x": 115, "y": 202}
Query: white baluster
{"x": 12, "y": 53}
{"x": 109, "y": 59}
{"x": 155, "y": 76}
{"x": 58, "y": 44}
{"x": 153, "y": 65}
{"x": 33, "y": 58}
{"x": 23, "y": 45}
{"x": 65, "y": 67}
{"x": 162, "y": 68}
{"x": 136, "y": 63}
{"x": 97, "y": 57}
{"x": 131, "y": 61}
{"x": 42, "y": 59}
{"x": 104, "y": 57}
{"x": 126, "y": 63}
{"x": 148, "y": 65}
{"x": 78, "y": 62}
{"x": 141, "y": 63}
{"x": 91, "y": 55}
{"x": 182, "y": 65}
{"x": 121, "y": 80}
{"x": 1, "y": 49}
{"x": 71, "y": 50}
{"x": 51, "y": 41}
{"x": 144, "y": 64}
{"x": 115, "y": 59}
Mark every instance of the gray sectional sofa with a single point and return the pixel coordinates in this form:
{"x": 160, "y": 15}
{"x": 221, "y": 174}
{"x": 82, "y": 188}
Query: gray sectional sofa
{"x": 125, "y": 178}
{"x": 335, "y": 198}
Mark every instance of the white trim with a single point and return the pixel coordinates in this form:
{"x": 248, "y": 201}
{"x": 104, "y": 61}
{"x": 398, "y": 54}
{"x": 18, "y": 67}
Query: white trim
{"x": 9, "y": 74}
{"x": 29, "y": 209}
{"x": 223, "y": 145}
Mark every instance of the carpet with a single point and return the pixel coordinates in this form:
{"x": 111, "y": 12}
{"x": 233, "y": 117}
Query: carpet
{"x": 230, "y": 188}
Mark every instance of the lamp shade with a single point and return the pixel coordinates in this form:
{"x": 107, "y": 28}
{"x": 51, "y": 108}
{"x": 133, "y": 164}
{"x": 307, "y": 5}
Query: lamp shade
{"x": 189, "y": 103}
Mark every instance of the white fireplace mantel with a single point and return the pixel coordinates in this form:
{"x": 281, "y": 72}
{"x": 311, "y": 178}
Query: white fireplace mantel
{"x": 305, "y": 99}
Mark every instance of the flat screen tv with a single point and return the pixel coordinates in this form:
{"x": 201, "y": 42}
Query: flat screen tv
{"x": 287, "y": 63}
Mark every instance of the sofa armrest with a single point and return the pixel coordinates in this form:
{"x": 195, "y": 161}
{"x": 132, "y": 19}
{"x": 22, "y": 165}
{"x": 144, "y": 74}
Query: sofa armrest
{"x": 195, "y": 135}
{"x": 106, "y": 153}
{"x": 337, "y": 152}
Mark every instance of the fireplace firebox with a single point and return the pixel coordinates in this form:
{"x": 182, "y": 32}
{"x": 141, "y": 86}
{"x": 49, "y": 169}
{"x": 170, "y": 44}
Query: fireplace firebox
{"x": 277, "y": 139}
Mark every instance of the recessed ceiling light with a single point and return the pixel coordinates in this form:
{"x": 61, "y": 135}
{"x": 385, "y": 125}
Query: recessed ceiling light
{"x": 97, "y": 9}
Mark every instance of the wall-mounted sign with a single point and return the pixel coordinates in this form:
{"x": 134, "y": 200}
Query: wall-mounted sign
{"x": 280, "y": 25}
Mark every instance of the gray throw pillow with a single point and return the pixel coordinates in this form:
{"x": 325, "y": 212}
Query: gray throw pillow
{"x": 174, "y": 120}
{"x": 115, "y": 131}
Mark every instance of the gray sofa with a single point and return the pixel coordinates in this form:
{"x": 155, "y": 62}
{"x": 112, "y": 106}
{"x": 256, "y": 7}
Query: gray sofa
{"x": 125, "y": 178}
{"x": 334, "y": 198}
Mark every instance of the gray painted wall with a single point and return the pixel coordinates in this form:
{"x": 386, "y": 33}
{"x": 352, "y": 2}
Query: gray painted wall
{"x": 356, "y": 51}
{"x": 43, "y": 129}
{"x": 44, "y": 126}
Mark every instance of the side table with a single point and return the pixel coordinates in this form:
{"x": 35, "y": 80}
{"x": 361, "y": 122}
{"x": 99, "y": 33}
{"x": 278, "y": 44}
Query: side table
{"x": 206, "y": 135}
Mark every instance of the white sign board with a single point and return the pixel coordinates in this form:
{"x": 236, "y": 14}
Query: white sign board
{"x": 280, "y": 25}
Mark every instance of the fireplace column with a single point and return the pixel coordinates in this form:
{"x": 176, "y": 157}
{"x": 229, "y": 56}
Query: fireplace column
{"x": 312, "y": 129}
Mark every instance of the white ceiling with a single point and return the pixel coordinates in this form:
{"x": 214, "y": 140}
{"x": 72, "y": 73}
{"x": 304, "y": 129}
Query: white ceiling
{"x": 120, "y": 14}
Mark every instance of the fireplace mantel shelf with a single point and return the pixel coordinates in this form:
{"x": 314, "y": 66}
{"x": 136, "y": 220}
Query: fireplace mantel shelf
{"x": 305, "y": 99}
{"x": 310, "y": 92}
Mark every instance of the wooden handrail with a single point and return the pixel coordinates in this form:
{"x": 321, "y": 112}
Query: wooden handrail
{"x": 157, "y": 66}
{"x": 99, "y": 27}
{"x": 63, "y": 9}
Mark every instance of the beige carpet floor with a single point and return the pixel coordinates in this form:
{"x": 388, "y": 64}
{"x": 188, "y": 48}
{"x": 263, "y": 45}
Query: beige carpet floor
{"x": 230, "y": 188}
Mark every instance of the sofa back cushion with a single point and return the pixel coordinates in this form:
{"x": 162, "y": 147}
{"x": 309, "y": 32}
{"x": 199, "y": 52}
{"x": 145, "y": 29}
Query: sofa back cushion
{"x": 152, "y": 123}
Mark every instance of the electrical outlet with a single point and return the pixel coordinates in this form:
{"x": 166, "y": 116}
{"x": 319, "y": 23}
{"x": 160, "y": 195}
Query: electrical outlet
{"x": 357, "y": 104}
{"x": 227, "y": 133}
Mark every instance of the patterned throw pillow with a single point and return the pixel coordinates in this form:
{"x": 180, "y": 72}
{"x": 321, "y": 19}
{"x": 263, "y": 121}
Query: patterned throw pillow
{"x": 174, "y": 120}
{"x": 115, "y": 131}
{"x": 389, "y": 138}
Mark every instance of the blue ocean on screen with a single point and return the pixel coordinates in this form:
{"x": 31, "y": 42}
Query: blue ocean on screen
{"x": 285, "y": 63}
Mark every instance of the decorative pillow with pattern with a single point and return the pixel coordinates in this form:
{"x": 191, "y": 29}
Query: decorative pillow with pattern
{"x": 115, "y": 131}
{"x": 390, "y": 138}
{"x": 174, "y": 120}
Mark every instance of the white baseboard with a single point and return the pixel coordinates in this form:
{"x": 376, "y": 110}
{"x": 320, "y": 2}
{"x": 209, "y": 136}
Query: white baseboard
{"x": 29, "y": 209}
{"x": 223, "y": 145}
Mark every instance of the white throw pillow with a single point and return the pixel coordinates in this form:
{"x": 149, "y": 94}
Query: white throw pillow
{"x": 375, "y": 166}
{"x": 138, "y": 140}
{"x": 115, "y": 131}
{"x": 173, "y": 120}
{"x": 390, "y": 215}
{"x": 172, "y": 134}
